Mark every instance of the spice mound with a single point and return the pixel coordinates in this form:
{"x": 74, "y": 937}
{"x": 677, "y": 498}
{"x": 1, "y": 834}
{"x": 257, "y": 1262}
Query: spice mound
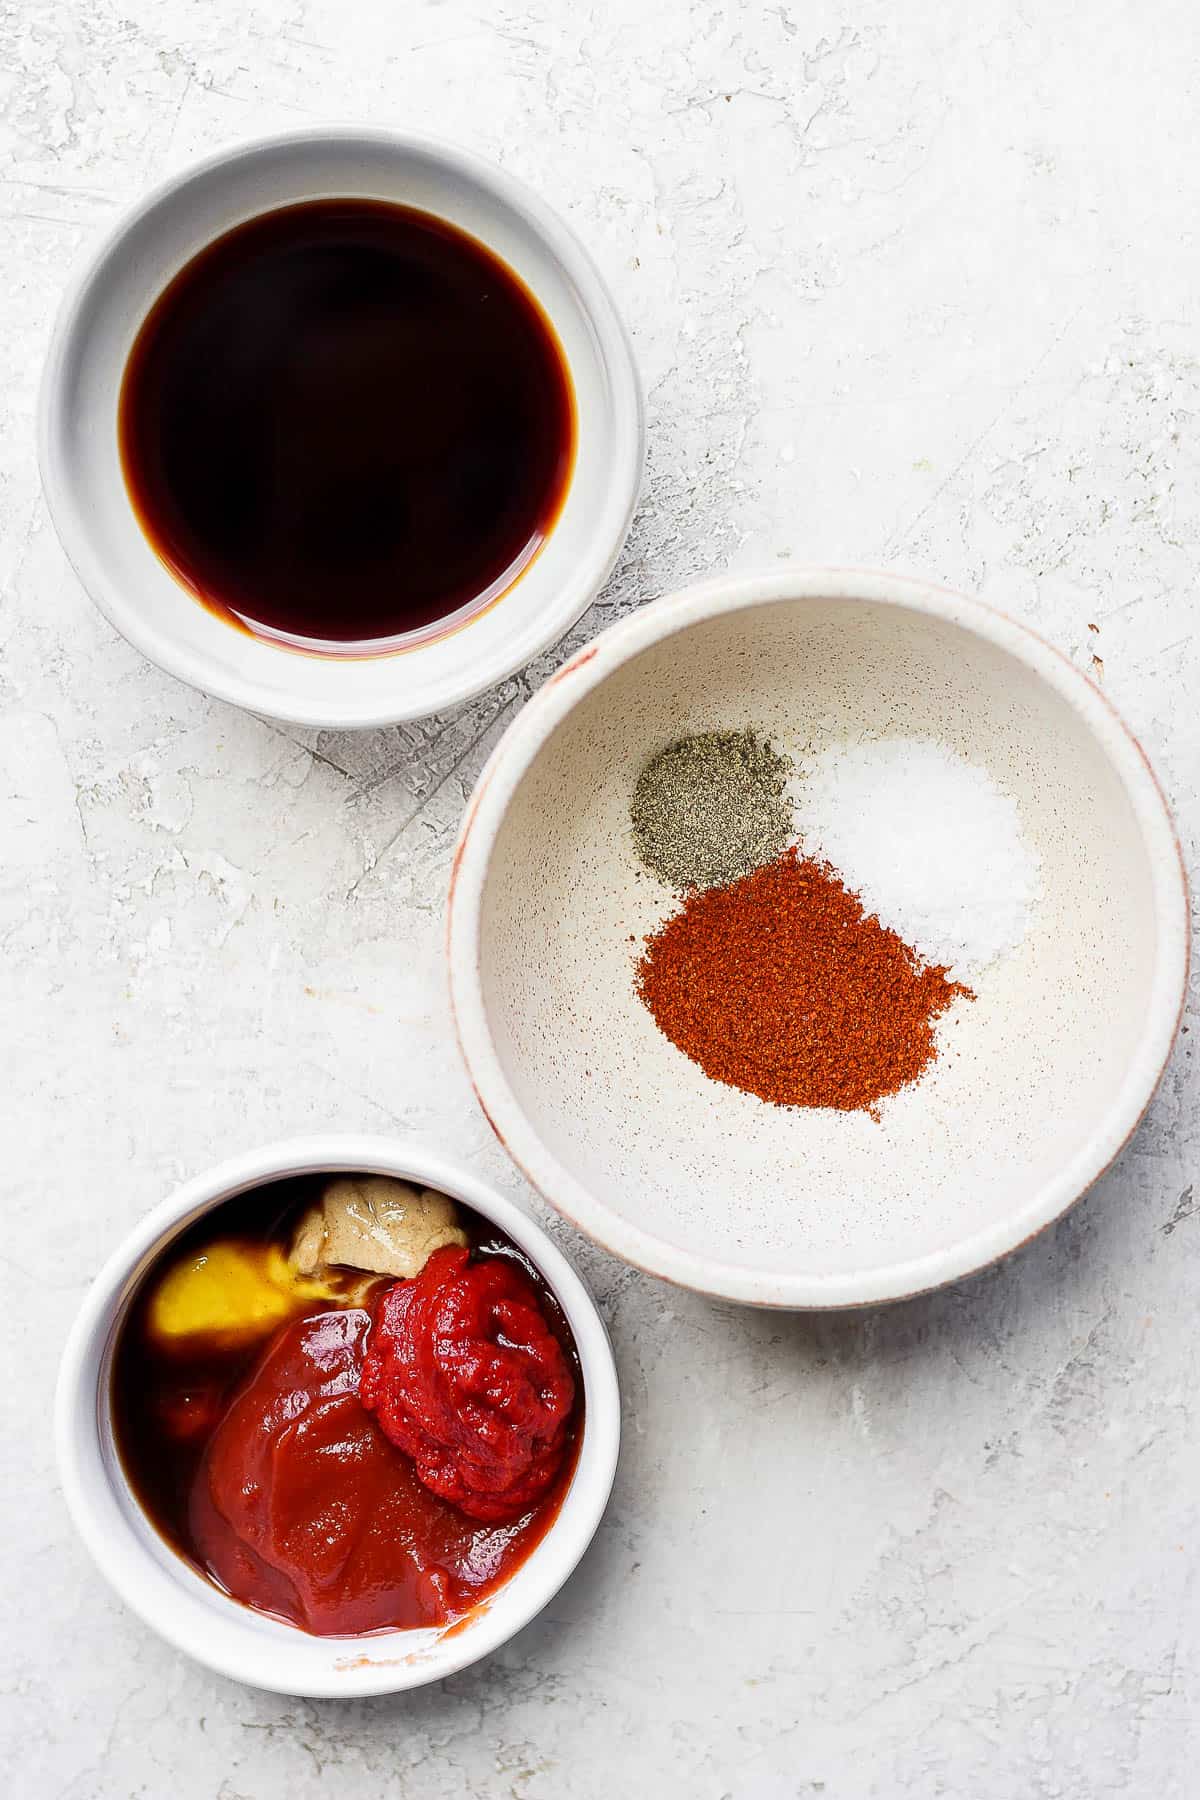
{"x": 779, "y": 984}
{"x": 930, "y": 844}
{"x": 465, "y": 1376}
{"x": 710, "y": 808}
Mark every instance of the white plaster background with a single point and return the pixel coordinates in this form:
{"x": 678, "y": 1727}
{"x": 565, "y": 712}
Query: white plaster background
{"x": 915, "y": 285}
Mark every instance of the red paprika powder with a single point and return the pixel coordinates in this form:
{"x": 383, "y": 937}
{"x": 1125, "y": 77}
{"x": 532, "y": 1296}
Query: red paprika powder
{"x": 781, "y": 985}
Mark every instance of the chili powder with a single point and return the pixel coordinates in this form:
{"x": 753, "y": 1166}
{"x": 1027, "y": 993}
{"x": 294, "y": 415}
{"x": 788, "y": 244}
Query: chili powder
{"x": 781, "y": 985}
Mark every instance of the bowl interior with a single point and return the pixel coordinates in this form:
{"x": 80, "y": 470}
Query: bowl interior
{"x": 86, "y": 485}
{"x": 806, "y": 1204}
{"x": 174, "y": 1598}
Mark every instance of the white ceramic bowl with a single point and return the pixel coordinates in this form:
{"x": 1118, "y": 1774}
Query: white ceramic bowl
{"x": 1054, "y": 1063}
{"x": 197, "y": 1617}
{"x": 85, "y": 488}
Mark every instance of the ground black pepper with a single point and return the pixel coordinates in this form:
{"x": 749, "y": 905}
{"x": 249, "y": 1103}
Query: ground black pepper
{"x": 711, "y": 807}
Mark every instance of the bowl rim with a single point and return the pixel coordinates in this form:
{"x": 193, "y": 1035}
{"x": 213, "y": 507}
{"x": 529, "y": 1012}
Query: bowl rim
{"x": 127, "y": 1563}
{"x": 484, "y": 818}
{"x": 413, "y": 699}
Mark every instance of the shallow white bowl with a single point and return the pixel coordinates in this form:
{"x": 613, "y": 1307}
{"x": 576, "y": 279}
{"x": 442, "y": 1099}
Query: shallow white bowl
{"x": 1054, "y": 1062}
{"x": 85, "y": 488}
{"x": 197, "y": 1617}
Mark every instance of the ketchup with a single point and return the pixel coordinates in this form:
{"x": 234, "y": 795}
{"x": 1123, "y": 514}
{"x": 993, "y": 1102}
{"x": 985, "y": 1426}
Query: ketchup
{"x": 305, "y": 1509}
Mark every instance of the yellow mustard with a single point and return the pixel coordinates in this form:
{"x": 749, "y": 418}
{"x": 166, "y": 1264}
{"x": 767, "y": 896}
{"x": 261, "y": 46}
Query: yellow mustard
{"x": 234, "y": 1291}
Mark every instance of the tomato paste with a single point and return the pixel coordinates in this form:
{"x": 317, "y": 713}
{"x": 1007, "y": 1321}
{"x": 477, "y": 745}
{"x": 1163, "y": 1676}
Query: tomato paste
{"x": 466, "y": 1377}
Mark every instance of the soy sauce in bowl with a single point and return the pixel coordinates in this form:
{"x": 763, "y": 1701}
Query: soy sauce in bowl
{"x": 346, "y": 426}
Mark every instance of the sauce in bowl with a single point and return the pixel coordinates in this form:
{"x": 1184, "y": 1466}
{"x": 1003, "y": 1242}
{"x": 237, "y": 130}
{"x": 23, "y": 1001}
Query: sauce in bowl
{"x": 346, "y": 425}
{"x": 244, "y": 1437}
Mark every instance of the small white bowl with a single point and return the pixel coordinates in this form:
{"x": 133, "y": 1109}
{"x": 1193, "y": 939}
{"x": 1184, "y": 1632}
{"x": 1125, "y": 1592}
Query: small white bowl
{"x": 193, "y": 1614}
{"x": 1054, "y": 1062}
{"x": 81, "y": 468}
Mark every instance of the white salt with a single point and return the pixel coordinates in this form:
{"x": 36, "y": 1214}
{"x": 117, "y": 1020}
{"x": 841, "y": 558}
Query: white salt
{"x": 928, "y": 841}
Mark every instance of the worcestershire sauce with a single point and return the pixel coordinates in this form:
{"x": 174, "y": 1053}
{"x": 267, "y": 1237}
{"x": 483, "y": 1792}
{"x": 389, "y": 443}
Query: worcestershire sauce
{"x": 346, "y": 422}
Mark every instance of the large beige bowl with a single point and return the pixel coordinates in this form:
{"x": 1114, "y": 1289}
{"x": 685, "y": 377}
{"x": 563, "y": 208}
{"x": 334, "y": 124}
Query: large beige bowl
{"x": 1055, "y": 1061}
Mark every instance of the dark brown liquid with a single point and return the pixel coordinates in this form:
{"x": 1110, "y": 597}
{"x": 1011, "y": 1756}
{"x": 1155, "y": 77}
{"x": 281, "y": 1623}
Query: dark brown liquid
{"x": 346, "y": 422}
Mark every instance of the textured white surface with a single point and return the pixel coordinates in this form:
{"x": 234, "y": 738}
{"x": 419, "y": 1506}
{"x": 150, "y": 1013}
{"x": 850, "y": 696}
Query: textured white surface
{"x": 909, "y": 285}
